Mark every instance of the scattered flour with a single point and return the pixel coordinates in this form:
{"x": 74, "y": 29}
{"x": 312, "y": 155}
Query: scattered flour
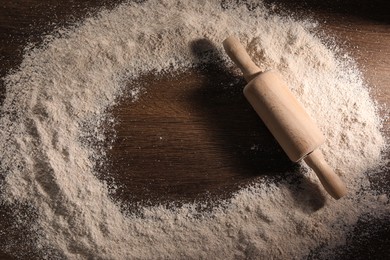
{"x": 61, "y": 92}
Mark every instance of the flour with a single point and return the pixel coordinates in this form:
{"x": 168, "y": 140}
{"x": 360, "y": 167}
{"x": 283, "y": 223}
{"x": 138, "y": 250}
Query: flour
{"x": 61, "y": 92}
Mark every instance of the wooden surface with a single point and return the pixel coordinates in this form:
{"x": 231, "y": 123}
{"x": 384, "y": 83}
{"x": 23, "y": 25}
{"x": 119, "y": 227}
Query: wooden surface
{"x": 193, "y": 136}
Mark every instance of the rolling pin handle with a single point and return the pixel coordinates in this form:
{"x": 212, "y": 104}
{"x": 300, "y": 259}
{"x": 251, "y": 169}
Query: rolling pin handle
{"x": 329, "y": 179}
{"x": 240, "y": 57}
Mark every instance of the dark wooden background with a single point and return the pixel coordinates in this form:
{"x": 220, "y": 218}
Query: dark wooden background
{"x": 193, "y": 137}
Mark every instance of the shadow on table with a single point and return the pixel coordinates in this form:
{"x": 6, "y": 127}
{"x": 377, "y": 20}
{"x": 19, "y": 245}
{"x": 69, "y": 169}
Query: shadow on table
{"x": 239, "y": 130}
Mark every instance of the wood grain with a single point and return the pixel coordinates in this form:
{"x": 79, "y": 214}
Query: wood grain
{"x": 193, "y": 136}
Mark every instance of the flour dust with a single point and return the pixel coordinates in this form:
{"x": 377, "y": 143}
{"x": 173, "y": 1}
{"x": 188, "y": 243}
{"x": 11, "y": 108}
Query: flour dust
{"x": 62, "y": 90}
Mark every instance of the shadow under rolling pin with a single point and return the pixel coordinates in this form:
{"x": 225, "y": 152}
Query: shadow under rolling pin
{"x": 285, "y": 117}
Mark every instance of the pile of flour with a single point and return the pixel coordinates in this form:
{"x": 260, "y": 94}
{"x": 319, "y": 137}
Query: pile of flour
{"x": 61, "y": 93}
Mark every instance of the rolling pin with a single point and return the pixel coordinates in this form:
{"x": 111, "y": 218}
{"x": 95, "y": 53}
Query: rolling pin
{"x": 285, "y": 117}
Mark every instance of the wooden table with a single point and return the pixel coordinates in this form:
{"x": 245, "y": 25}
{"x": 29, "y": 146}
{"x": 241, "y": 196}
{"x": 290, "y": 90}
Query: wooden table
{"x": 193, "y": 147}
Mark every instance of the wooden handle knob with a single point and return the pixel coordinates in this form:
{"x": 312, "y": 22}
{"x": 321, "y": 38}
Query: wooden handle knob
{"x": 329, "y": 179}
{"x": 240, "y": 57}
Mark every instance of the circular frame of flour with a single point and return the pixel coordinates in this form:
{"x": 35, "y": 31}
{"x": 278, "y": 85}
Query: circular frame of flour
{"x": 62, "y": 91}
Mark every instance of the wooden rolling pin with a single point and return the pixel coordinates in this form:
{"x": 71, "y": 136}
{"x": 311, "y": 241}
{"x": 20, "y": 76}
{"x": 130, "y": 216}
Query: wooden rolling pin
{"x": 285, "y": 117}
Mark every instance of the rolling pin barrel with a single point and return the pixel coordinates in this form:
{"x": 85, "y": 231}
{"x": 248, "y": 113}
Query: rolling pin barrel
{"x": 284, "y": 116}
